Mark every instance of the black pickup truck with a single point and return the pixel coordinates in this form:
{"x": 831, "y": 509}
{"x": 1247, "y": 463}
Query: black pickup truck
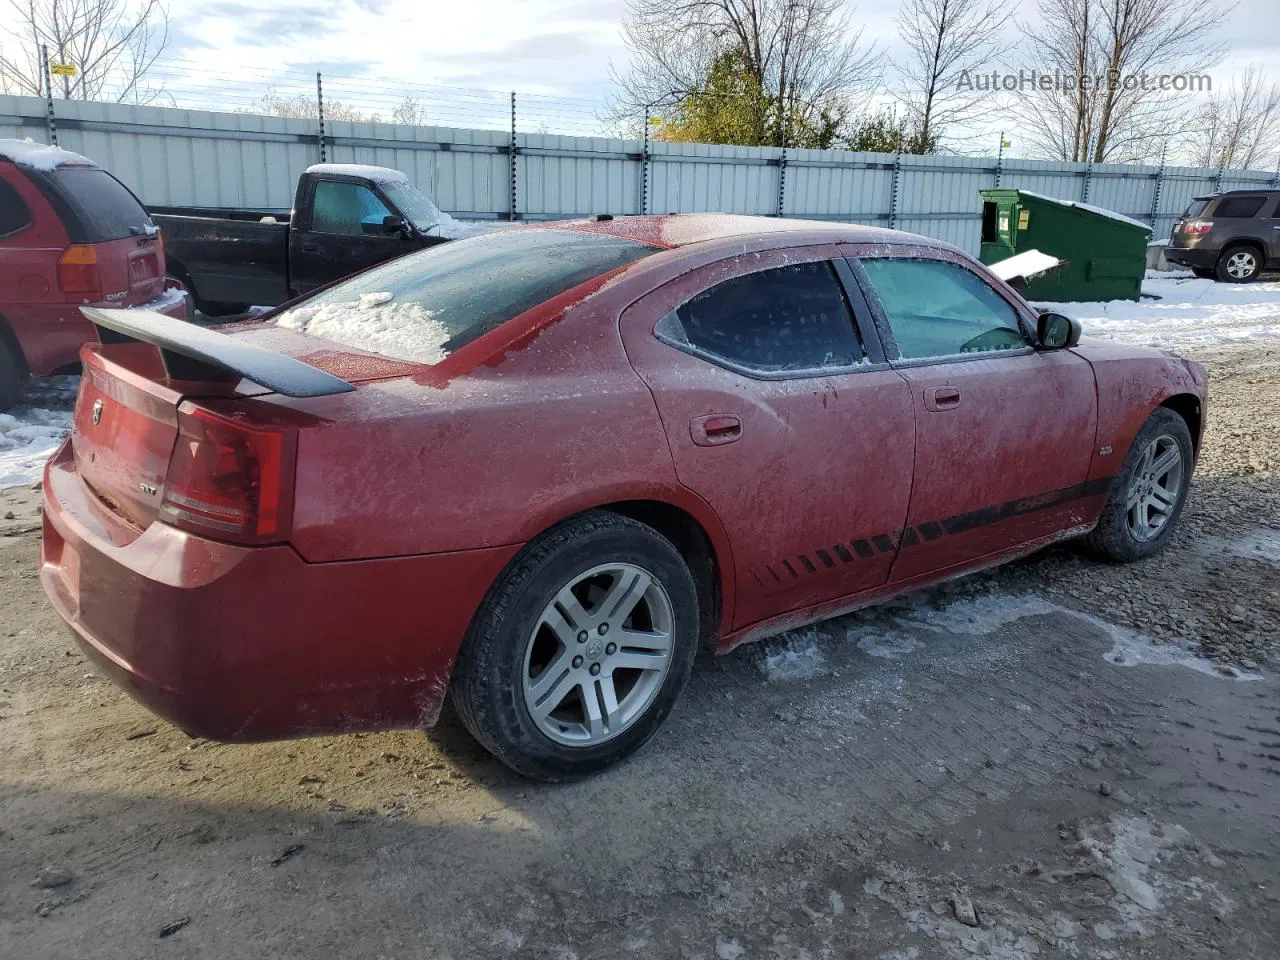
{"x": 345, "y": 217}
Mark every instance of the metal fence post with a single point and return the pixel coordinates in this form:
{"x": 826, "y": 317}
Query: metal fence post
{"x": 1088, "y": 179}
{"x": 1159, "y": 188}
{"x": 782, "y": 178}
{"x": 514, "y": 212}
{"x": 1217, "y": 181}
{"x": 1000, "y": 161}
{"x": 320, "y": 111}
{"x": 644, "y": 166}
{"x": 897, "y": 182}
{"x": 50, "y": 126}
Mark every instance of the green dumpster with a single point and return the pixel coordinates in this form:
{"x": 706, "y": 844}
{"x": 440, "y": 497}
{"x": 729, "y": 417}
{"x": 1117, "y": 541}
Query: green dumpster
{"x": 1106, "y": 252}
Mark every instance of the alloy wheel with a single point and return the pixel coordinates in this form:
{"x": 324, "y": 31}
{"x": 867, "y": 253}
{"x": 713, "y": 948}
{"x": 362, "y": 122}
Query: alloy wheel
{"x": 1155, "y": 489}
{"x": 1242, "y": 265}
{"x": 598, "y": 654}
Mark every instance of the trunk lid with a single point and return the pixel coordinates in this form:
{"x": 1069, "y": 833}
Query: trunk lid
{"x": 132, "y": 270}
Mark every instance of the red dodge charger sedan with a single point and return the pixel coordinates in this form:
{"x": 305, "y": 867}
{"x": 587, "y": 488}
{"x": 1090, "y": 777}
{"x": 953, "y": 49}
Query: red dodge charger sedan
{"x": 535, "y": 470}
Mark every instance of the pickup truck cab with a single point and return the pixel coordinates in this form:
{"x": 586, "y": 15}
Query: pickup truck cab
{"x": 71, "y": 235}
{"x": 345, "y": 217}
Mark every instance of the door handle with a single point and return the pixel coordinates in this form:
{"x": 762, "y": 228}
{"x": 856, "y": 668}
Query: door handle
{"x": 310, "y": 247}
{"x": 941, "y": 398}
{"x": 713, "y": 430}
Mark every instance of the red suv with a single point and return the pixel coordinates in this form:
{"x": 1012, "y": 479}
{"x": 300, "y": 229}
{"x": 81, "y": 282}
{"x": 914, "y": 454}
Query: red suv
{"x": 70, "y": 234}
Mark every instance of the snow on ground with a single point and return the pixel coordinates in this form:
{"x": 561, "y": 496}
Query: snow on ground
{"x": 1184, "y": 313}
{"x": 31, "y": 431}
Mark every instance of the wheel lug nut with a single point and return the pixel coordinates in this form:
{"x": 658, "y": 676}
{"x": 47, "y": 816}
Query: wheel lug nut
{"x": 582, "y": 636}
{"x": 611, "y": 649}
{"x": 603, "y": 629}
{"x": 595, "y": 669}
{"x": 577, "y": 662}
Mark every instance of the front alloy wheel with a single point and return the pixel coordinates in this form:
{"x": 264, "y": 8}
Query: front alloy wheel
{"x": 1155, "y": 490}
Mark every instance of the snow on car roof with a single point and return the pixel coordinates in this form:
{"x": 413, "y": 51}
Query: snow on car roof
{"x": 1100, "y": 211}
{"x": 39, "y": 156}
{"x": 368, "y": 171}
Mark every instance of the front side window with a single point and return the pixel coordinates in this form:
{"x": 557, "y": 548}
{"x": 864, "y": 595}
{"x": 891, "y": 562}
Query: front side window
{"x": 785, "y": 319}
{"x": 940, "y": 309}
{"x": 347, "y": 209}
{"x": 14, "y": 215}
{"x": 1241, "y": 208}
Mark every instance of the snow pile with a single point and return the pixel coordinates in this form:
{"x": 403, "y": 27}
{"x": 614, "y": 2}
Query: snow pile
{"x": 1189, "y": 313}
{"x": 793, "y": 656}
{"x": 1030, "y": 264}
{"x": 405, "y": 331}
{"x": 31, "y": 432}
{"x": 1079, "y": 205}
{"x": 38, "y": 156}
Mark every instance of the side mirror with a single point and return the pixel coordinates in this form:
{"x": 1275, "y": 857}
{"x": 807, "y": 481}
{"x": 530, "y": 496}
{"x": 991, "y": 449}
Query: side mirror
{"x": 1056, "y": 332}
{"x": 395, "y": 224}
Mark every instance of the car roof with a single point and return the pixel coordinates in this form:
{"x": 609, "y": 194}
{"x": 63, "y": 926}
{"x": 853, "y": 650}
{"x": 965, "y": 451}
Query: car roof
{"x": 685, "y": 229}
{"x": 1230, "y": 193}
{"x": 39, "y": 156}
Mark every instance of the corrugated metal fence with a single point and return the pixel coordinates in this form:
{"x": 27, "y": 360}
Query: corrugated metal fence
{"x": 173, "y": 157}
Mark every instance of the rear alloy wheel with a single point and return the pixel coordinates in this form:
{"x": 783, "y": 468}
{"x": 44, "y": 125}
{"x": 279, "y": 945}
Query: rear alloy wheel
{"x": 1148, "y": 495}
{"x": 1239, "y": 265}
{"x": 581, "y": 648}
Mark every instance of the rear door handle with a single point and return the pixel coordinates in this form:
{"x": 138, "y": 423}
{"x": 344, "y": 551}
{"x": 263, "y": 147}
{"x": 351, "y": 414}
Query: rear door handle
{"x": 713, "y": 430}
{"x": 941, "y": 398}
{"x": 310, "y": 247}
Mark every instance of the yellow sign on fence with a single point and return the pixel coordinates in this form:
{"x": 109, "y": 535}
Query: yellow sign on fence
{"x": 62, "y": 69}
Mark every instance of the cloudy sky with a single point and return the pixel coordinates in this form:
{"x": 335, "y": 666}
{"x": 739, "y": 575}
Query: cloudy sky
{"x": 557, "y": 53}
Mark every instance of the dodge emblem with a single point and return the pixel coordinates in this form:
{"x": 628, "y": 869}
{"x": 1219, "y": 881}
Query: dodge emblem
{"x": 97, "y": 412}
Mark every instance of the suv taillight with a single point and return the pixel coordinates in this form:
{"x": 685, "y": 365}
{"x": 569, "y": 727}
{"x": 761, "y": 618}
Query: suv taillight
{"x": 1197, "y": 228}
{"x": 229, "y": 480}
{"x": 78, "y": 272}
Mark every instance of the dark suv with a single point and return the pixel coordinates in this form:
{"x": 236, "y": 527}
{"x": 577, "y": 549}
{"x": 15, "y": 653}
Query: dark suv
{"x": 1230, "y": 236}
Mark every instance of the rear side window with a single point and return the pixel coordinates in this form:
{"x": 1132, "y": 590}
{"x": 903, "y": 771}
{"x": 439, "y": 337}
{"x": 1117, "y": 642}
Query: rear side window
{"x": 1195, "y": 208}
{"x": 791, "y": 318}
{"x": 424, "y": 306}
{"x": 1239, "y": 207}
{"x": 101, "y": 207}
{"x": 14, "y": 215}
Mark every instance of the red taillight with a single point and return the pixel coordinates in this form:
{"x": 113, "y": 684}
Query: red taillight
{"x": 1196, "y": 228}
{"x": 78, "y": 272}
{"x": 229, "y": 480}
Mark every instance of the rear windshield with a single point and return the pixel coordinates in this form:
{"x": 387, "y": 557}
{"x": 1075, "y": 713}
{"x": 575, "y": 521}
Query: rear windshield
{"x": 424, "y": 306}
{"x": 101, "y": 207}
{"x": 1195, "y": 208}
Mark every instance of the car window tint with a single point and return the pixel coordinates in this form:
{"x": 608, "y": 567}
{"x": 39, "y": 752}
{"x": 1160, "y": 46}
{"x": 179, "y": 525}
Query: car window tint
{"x": 787, "y": 318}
{"x": 426, "y": 305}
{"x": 348, "y": 209}
{"x": 1195, "y": 208}
{"x": 1238, "y": 207}
{"x": 103, "y": 207}
{"x": 939, "y": 309}
{"x": 14, "y": 214}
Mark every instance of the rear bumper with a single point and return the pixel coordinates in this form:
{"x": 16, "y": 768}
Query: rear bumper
{"x": 1192, "y": 257}
{"x": 51, "y": 334}
{"x": 242, "y": 644}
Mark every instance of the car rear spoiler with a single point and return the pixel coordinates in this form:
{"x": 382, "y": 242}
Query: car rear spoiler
{"x": 192, "y": 352}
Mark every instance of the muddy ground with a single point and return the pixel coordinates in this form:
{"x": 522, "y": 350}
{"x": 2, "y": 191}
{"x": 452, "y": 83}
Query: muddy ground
{"x": 1057, "y": 759}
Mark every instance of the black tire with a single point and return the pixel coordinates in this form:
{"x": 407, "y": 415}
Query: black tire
{"x": 1112, "y": 538}
{"x": 13, "y": 377}
{"x": 217, "y": 308}
{"x": 487, "y": 687}
{"x": 1205, "y": 273}
{"x": 1233, "y": 256}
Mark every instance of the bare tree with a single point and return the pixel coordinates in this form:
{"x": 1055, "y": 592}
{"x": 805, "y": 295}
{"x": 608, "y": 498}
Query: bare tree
{"x": 113, "y": 44}
{"x": 946, "y": 40}
{"x": 801, "y": 57}
{"x": 305, "y": 106}
{"x": 1122, "y": 70}
{"x": 1238, "y": 128}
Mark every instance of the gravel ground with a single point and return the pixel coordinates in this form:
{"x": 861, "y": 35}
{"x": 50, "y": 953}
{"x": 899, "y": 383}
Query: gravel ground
{"x": 1055, "y": 759}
